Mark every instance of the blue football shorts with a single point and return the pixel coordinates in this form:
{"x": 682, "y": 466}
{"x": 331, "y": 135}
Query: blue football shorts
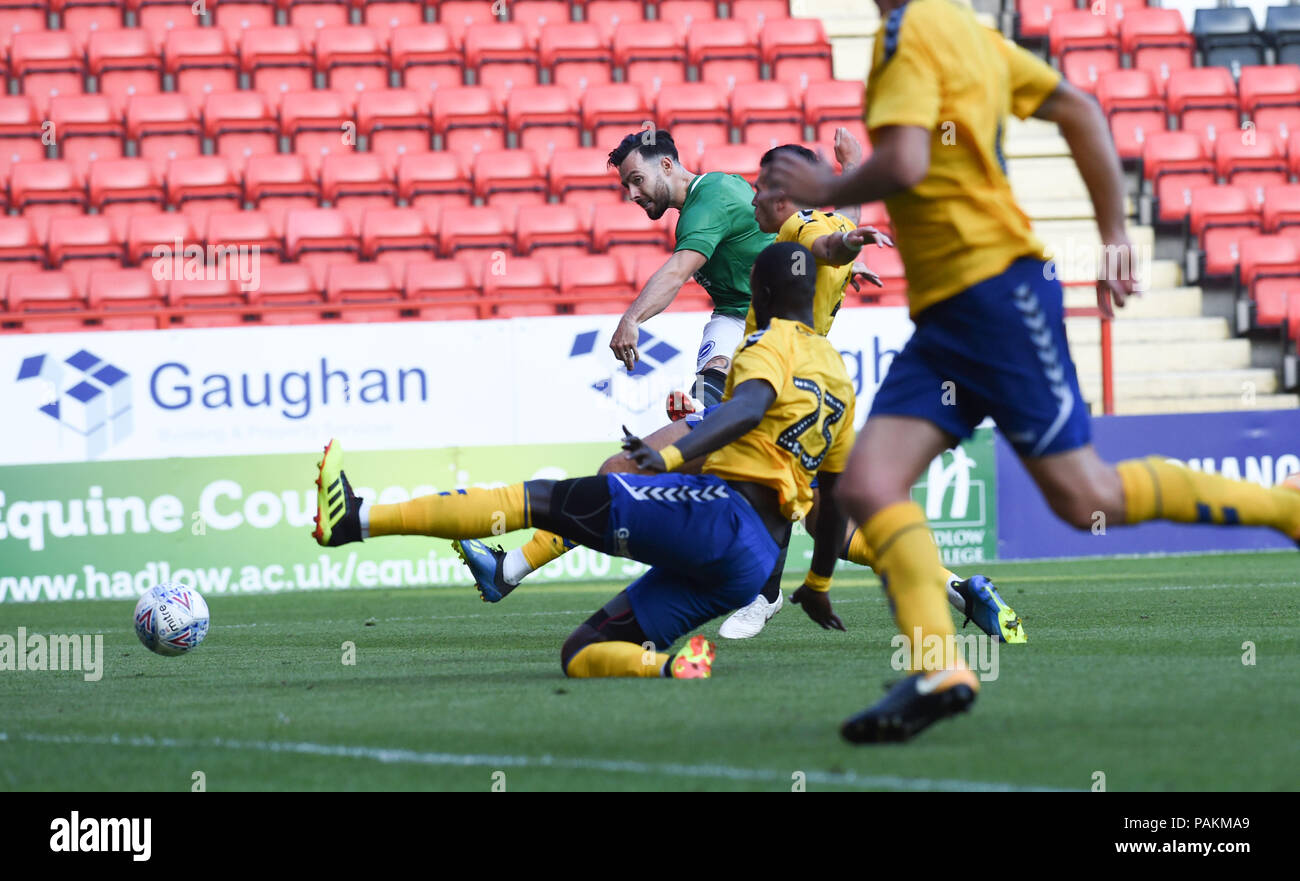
{"x": 996, "y": 349}
{"x": 709, "y": 551}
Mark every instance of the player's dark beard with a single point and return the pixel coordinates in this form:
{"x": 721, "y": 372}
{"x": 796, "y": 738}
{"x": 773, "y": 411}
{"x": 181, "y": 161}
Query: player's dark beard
{"x": 657, "y": 208}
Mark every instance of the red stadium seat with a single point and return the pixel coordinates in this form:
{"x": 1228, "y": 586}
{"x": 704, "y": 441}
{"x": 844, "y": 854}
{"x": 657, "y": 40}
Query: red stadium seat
{"x": 21, "y": 129}
{"x": 502, "y": 56}
{"x": 389, "y": 17}
{"x": 796, "y": 48}
{"x": 357, "y": 179}
{"x": 1281, "y": 206}
{"x": 1217, "y": 217}
{"x": 148, "y": 235}
{"x": 245, "y": 229}
{"x": 286, "y": 284}
{"x": 362, "y": 283}
{"x": 545, "y": 119}
{"x": 315, "y": 15}
{"x": 1252, "y": 151}
{"x": 397, "y": 231}
{"x": 277, "y": 60}
{"x": 724, "y": 52}
{"x": 1266, "y": 86}
{"x": 125, "y": 186}
{"x": 46, "y": 63}
{"x": 202, "y": 61}
{"x": 694, "y": 111}
{"x": 575, "y": 54}
{"x": 608, "y": 15}
{"x": 524, "y": 278}
{"x": 1131, "y": 102}
{"x": 164, "y": 127}
{"x": 321, "y": 229}
{"x": 1155, "y": 36}
{"x": 832, "y": 101}
{"x": 1034, "y": 17}
{"x": 240, "y": 125}
{"x": 395, "y": 121}
{"x": 19, "y": 241}
{"x": 125, "y": 62}
{"x": 535, "y": 15}
{"x": 620, "y": 106}
{"x": 45, "y": 188}
{"x": 508, "y": 177}
{"x": 477, "y": 227}
{"x": 626, "y": 224}
{"x": 135, "y": 288}
{"x": 352, "y": 58}
{"x": 553, "y": 226}
{"x": 686, "y": 15}
{"x": 650, "y": 53}
{"x": 1073, "y": 30}
{"x": 431, "y": 285}
{"x": 158, "y": 17}
{"x": 280, "y": 180}
{"x": 434, "y": 179}
{"x": 43, "y": 292}
{"x": 767, "y": 111}
{"x": 757, "y": 13}
{"x": 1267, "y": 256}
{"x": 468, "y": 119}
{"x": 428, "y": 57}
{"x": 1175, "y": 163}
{"x": 317, "y": 124}
{"x": 584, "y": 176}
{"x": 202, "y": 184}
{"x": 598, "y": 283}
{"x": 459, "y": 15}
{"x": 235, "y": 18}
{"x": 1205, "y": 101}
{"x": 741, "y": 159}
{"x": 87, "y": 128}
{"x": 90, "y": 237}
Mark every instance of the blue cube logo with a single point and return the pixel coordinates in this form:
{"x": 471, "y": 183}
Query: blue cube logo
{"x": 84, "y": 394}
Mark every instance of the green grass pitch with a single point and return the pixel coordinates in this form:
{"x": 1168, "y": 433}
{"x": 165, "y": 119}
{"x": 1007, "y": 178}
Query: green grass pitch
{"x": 1134, "y": 668}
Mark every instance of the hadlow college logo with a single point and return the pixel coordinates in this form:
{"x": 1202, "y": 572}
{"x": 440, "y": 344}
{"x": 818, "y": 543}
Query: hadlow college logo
{"x": 84, "y": 394}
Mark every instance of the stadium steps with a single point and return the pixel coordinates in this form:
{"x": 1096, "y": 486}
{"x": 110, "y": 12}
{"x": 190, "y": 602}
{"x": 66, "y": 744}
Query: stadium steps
{"x": 1186, "y": 384}
{"x": 1087, "y": 331}
{"x": 1209, "y": 404}
{"x": 1166, "y": 356}
{"x": 1159, "y": 302}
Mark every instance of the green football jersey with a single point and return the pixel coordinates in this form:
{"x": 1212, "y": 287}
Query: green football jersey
{"x": 717, "y": 220}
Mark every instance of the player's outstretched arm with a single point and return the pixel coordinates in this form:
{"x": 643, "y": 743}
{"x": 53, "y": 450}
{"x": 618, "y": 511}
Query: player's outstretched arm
{"x": 828, "y": 540}
{"x": 733, "y": 419}
{"x": 900, "y": 160}
{"x": 1084, "y": 128}
{"x": 654, "y": 298}
{"x": 838, "y": 248}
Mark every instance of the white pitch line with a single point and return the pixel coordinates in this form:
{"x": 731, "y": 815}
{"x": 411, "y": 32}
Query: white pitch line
{"x": 394, "y": 756}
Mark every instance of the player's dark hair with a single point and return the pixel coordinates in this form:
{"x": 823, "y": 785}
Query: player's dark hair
{"x": 784, "y": 281}
{"x": 796, "y": 149}
{"x": 650, "y": 144}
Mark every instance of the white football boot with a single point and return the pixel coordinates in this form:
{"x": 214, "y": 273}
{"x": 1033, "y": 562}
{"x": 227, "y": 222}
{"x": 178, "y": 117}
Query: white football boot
{"x": 751, "y": 620}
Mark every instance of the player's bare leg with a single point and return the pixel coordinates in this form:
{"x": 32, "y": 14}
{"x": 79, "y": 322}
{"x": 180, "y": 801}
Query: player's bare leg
{"x": 498, "y": 572}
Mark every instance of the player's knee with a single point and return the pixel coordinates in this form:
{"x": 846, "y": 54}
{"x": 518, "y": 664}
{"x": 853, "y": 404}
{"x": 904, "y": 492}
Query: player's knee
{"x": 868, "y": 493}
{"x": 617, "y": 464}
{"x": 578, "y": 640}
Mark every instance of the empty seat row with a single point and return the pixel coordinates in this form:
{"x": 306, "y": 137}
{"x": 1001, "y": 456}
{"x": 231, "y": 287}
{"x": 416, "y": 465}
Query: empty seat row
{"x": 1176, "y": 163}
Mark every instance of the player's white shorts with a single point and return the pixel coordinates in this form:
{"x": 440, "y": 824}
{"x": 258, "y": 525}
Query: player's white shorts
{"x": 722, "y": 336}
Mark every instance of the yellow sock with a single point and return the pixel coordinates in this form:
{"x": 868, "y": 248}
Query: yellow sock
{"x": 910, "y": 569}
{"x": 470, "y": 513}
{"x": 544, "y": 547}
{"x": 1157, "y": 489}
{"x": 860, "y": 552}
{"x": 602, "y": 659}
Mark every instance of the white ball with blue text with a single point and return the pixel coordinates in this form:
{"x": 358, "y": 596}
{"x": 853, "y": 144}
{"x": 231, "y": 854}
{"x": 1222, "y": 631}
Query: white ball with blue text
{"x": 171, "y": 619}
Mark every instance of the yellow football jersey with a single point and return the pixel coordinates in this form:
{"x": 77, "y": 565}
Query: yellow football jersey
{"x": 806, "y": 227}
{"x": 936, "y": 67}
{"x": 808, "y": 428}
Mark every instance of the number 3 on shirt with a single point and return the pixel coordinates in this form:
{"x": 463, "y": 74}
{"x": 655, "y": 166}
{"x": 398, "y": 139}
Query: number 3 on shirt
{"x": 793, "y": 438}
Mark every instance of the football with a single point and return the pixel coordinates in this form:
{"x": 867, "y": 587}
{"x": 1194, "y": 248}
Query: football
{"x": 171, "y": 619}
